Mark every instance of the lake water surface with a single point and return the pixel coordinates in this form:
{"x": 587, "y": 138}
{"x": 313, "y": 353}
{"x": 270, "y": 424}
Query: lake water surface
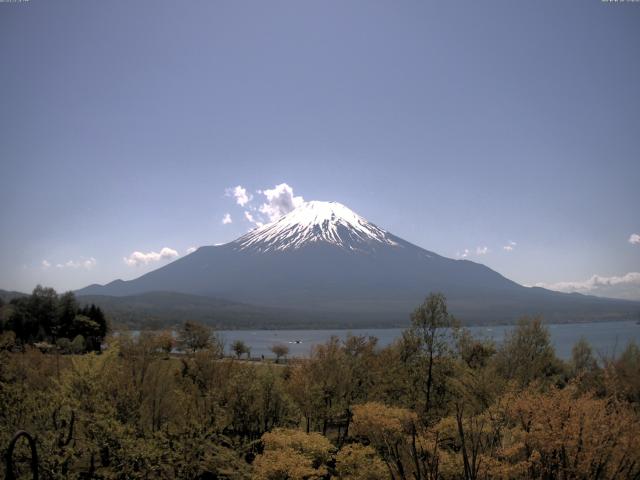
{"x": 606, "y": 338}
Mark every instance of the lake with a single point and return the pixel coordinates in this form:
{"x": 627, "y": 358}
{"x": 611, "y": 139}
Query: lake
{"x": 606, "y": 338}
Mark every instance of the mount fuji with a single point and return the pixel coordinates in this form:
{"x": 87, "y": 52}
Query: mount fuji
{"x": 324, "y": 261}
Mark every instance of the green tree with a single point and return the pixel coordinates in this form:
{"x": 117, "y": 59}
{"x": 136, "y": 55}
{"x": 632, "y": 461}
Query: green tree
{"x": 3, "y": 316}
{"x": 623, "y": 374}
{"x": 43, "y": 306}
{"x": 194, "y": 336}
{"x": 78, "y": 345}
{"x": 240, "y": 348}
{"x": 96, "y": 314}
{"x": 63, "y": 344}
{"x": 65, "y": 315}
{"x": 22, "y": 322}
{"x": 85, "y": 326}
{"x": 582, "y": 359}
{"x": 476, "y": 353}
{"x": 527, "y": 354}
{"x": 98, "y": 327}
{"x": 428, "y": 341}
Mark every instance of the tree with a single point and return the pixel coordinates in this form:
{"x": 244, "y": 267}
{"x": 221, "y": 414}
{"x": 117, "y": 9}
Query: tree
{"x": 166, "y": 342}
{"x": 22, "y": 322}
{"x": 85, "y": 326}
{"x": 305, "y": 391}
{"x": 558, "y": 434}
{"x": 195, "y": 336}
{"x": 43, "y": 316}
{"x": 285, "y": 464}
{"x": 43, "y": 306}
{"x": 96, "y": 314}
{"x": 584, "y": 367}
{"x": 623, "y": 374}
{"x": 33, "y": 318}
{"x": 280, "y": 350}
{"x": 7, "y": 340}
{"x": 527, "y": 354}
{"x": 78, "y": 345}
{"x": 474, "y": 352}
{"x": 329, "y": 371}
{"x": 404, "y": 445}
{"x": 240, "y": 348}
{"x": 274, "y": 405}
{"x": 358, "y": 371}
{"x": 63, "y": 344}
{"x": 292, "y": 454}
{"x": 3, "y": 316}
{"x": 427, "y": 340}
{"x": 67, "y": 311}
{"x": 359, "y": 462}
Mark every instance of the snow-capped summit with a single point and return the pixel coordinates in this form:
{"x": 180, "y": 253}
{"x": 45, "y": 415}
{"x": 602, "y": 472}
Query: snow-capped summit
{"x": 314, "y": 222}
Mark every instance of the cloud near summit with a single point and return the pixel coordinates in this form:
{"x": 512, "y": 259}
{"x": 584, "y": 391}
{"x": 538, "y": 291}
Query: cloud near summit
{"x": 280, "y": 201}
{"x": 277, "y": 201}
{"x": 240, "y": 194}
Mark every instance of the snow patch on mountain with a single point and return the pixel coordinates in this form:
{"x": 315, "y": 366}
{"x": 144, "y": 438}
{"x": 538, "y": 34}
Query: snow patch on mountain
{"x": 316, "y": 222}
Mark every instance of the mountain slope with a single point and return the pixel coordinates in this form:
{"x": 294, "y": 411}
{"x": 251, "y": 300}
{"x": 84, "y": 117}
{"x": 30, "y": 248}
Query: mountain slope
{"x": 166, "y": 309}
{"x": 325, "y": 259}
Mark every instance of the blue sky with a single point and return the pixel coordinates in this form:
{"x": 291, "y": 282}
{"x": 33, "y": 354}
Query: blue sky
{"x": 455, "y": 125}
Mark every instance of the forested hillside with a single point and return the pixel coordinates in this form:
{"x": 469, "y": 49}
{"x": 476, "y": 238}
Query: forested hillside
{"x": 437, "y": 404}
{"x": 51, "y": 321}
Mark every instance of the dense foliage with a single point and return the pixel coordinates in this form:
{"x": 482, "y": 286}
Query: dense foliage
{"x": 437, "y": 404}
{"x": 52, "y": 321}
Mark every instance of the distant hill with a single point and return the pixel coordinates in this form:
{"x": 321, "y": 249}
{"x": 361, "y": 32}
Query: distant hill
{"x": 7, "y": 296}
{"x": 323, "y": 263}
{"x": 153, "y": 310}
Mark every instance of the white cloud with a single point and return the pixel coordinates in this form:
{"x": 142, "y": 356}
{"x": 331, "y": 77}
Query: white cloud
{"x": 634, "y": 238}
{"x": 510, "y": 246}
{"x": 87, "y": 263}
{"x": 251, "y": 219}
{"x": 45, "y": 264}
{"x": 240, "y": 194}
{"x": 479, "y": 251}
{"x": 90, "y": 263}
{"x": 625, "y": 286}
{"x": 140, "y": 258}
{"x": 280, "y": 201}
{"x": 191, "y": 250}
